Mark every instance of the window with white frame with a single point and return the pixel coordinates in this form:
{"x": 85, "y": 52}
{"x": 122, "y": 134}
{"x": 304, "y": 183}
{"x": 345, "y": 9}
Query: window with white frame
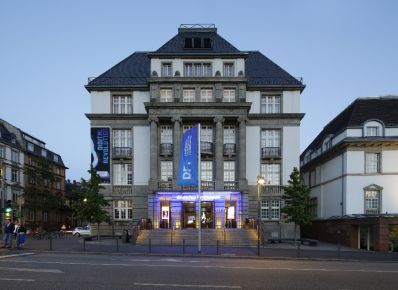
{"x": 2, "y": 151}
{"x": 265, "y": 210}
{"x": 55, "y": 158}
{"x": 270, "y": 138}
{"x": 167, "y": 69}
{"x": 372, "y": 131}
{"x": 229, "y": 135}
{"x": 122, "y": 138}
{"x": 372, "y": 202}
{"x": 122, "y": 174}
{"x": 30, "y": 146}
{"x": 270, "y": 104}
{"x": 166, "y": 95}
{"x": 229, "y": 69}
{"x": 44, "y": 152}
{"x": 228, "y": 95}
{"x": 188, "y": 95}
{"x": 14, "y": 155}
{"x": 270, "y": 209}
{"x": 14, "y": 175}
{"x": 206, "y": 95}
{"x": 166, "y": 170}
{"x": 271, "y": 173}
{"x": 122, "y": 209}
{"x": 166, "y": 134}
{"x": 197, "y": 70}
{"x": 372, "y": 162}
{"x": 206, "y": 134}
{"x": 122, "y": 105}
{"x": 206, "y": 170}
{"x": 229, "y": 170}
{"x": 275, "y": 209}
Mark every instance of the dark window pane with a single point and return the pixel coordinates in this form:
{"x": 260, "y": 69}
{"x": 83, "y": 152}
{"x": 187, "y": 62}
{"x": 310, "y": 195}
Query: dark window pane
{"x": 188, "y": 43}
{"x": 197, "y": 42}
{"x": 206, "y": 42}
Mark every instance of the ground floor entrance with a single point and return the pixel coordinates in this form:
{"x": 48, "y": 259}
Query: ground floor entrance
{"x": 180, "y": 210}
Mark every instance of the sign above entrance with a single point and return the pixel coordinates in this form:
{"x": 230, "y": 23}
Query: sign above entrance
{"x": 192, "y": 196}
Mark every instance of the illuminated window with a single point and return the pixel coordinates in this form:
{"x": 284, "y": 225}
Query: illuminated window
{"x": 122, "y": 174}
{"x": 123, "y": 210}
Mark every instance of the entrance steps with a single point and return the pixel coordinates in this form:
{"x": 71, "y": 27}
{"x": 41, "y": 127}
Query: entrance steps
{"x": 227, "y": 237}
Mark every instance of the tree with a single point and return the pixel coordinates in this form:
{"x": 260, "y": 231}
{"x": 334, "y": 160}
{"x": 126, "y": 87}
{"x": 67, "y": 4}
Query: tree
{"x": 297, "y": 200}
{"x": 92, "y": 202}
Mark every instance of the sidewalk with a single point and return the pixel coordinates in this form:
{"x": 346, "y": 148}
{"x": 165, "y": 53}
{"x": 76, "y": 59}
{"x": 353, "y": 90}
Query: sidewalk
{"x": 280, "y": 251}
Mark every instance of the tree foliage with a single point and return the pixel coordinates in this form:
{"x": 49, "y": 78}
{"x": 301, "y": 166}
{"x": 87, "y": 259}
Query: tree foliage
{"x": 91, "y": 203}
{"x": 297, "y": 200}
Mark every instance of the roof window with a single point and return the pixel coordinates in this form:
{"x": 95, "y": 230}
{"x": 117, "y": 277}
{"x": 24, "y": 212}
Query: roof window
{"x": 197, "y": 42}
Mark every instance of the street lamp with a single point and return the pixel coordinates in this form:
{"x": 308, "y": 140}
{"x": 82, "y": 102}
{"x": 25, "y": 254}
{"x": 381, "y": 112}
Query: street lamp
{"x": 260, "y": 182}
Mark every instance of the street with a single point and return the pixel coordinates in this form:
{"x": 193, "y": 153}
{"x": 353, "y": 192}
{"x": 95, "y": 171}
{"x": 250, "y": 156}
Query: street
{"x": 89, "y": 271}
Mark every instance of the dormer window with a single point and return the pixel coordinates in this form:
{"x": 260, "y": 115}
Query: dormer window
{"x": 197, "y": 42}
{"x": 167, "y": 69}
{"x": 30, "y": 147}
{"x": 197, "y": 69}
{"x": 373, "y": 129}
{"x": 229, "y": 70}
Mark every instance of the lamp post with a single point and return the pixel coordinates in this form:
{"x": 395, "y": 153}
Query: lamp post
{"x": 260, "y": 182}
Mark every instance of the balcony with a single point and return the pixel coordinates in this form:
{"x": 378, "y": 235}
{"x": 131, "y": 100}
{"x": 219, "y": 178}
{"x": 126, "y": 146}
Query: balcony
{"x": 231, "y": 185}
{"x": 206, "y": 148}
{"x": 272, "y": 189}
{"x": 122, "y": 189}
{"x": 166, "y": 149}
{"x": 205, "y": 185}
{"x": 122, "y": 152}
{"x": 270, "y": 152}
{"x": 229, "y": 149}
{"x": 372, "y": 211}
{"x": 165, "y": 185}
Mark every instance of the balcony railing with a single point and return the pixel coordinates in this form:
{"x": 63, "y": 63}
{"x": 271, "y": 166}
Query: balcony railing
{"x": 272, "y": 189}
{"x": 165, "y": 185}
{"x": 229, "y": 149}
{"x": 206, "y": 147}
{"x": 166, "y": 149}
{"x": 270, "y": 152}
{"x": 122, "y": 152}
{"x": 122, "y": 189}
{"x": 231, "y": 185}
{"x": 372, "y": 211}
{"x": 205, "y": 185}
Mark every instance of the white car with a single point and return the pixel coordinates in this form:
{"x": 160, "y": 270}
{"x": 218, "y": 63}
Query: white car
{"x": 81, "y": 231}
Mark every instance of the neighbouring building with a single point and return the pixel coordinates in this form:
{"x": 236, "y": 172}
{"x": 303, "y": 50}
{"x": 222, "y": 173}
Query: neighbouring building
{"x": 43, "y": 181}
{"x": 352, "y": 170}
{"x": 249, "y": 111}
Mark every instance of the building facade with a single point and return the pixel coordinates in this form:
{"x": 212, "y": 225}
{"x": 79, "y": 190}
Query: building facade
{"x": 352, "y": 169}
{"x": 249, "y": 111}
{"x": 42, "y": 178}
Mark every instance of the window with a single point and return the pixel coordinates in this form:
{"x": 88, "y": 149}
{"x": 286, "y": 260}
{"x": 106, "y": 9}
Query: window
{"x": 206, "y": 95}
{"x": 197, "y": 70}
{"x": 166, "y": 134}
{"x": 270, "y": 138}
{"x": 275, "y": 209}
{"x": 197, "y": 42}
{"x": 31, "y": 147}
{"x": 166, "y": 170}
{"x": 271, "y": 173}
{"x": 229, "y": 70}
{"x": 123, "y": 209}
{"x": 271, "y": 209}
{"x": 229, "y": 170}
{"x": 1, "y": 171}
{"x": 2, "y": 151}
{"x": 58, "y": 185}
{"x": 122, "y": 138}
{"x": 167, "y": 70}
{"x": 372, "y": 162}
{"x": 55, "y": 158}
{"x": 122, "y": 105}
{"x": 43, "y": 152}
{"x": 372, "y": 131}
{"x": 270, "y": 104}
{"x": 206, "y": 170}
{"x": 45, "y": 182}
{"x": 122, "y": 174}
{"x": 314, "y": 207}
{"x": 188, "y": 96}
{"x": 166, "y": 95}
{"x": 229, "y": 135}
{"x": 228, "y": 95}
{"x": 372, "y": 202}
{"x": 312, "y": 177}
{"x": 45, "y": 216}
{"x": 264, "y": 209}
{"x": 206, "y": 134}
{"x": 14, "y": 175}
{"x": 14, "y": 155}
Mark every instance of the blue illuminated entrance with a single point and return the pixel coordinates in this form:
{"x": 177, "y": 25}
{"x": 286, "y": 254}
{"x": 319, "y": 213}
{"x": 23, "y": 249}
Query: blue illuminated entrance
{"x": 219, "y": 209}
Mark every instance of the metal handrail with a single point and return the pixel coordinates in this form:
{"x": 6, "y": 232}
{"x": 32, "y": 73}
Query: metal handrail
{"x": 136, "y": 231}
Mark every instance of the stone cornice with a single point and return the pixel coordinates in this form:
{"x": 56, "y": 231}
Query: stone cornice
{"x": 173, "y": 80}
{"x": 117, "y": 116}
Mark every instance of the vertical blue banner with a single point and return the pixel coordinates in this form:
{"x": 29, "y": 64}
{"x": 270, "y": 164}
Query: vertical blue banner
{"x": 188, "y": 165}
{"x": 100, "y": 144}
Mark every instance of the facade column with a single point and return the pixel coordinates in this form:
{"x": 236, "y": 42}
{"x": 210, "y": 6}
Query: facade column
{"x": 176, "y": 147}
{"x": 154, "y": 156}
{"x": 219, "y": 160}
{"x": 242, "y": 153}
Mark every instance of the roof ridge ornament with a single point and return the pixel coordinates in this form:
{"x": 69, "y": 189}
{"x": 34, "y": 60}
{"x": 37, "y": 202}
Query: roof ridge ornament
{"x": 198, "y": 25}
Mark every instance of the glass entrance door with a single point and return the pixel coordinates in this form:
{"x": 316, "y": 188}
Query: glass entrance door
{"x": 189, "y": 215}
{"x": 365, "y": 238}
{"x": 165, "y": 219}
{"x": 230, "y": 214}
{"x": 207, "y": 214}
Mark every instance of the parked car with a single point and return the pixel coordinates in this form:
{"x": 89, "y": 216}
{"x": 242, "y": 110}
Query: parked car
{"x": 81, "y": 231}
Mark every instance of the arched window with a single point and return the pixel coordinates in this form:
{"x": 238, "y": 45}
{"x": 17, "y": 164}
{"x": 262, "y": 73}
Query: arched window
{"x": 372, "y": 199}
{"x": 373, "y": 128}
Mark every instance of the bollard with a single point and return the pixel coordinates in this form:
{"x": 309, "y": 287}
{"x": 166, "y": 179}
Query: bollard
{"x": 117, "y": 245}
{"x": 218, "y": 247}
{"x": 183, "y": 246}
{"x": 150, "y": 246}
{"x": 225, "y": 235}
{"x": 298, "y": 250}
{"x": 258, "y": 247}
{"x": 51, "y": 243}
{"x": 171, "y": 238}
{"x": 84, "y": 244}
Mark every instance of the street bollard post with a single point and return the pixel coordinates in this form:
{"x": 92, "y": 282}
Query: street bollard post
{"x": 171, "y": 237}
{"x": 183, "y": 246}
{"x": 150, "y": 246}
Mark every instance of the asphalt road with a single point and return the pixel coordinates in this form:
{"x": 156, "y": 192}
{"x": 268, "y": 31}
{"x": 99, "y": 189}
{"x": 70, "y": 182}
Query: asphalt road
{"x": 88, "y": 271}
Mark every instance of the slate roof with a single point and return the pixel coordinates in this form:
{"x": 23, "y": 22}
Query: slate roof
{"x": 135, "y": 69}
{"x": 384, "y": 109}
{"x": 7, "y": 137}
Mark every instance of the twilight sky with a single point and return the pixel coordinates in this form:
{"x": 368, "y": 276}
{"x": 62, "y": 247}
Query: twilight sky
{"x": 343, "y": 49}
